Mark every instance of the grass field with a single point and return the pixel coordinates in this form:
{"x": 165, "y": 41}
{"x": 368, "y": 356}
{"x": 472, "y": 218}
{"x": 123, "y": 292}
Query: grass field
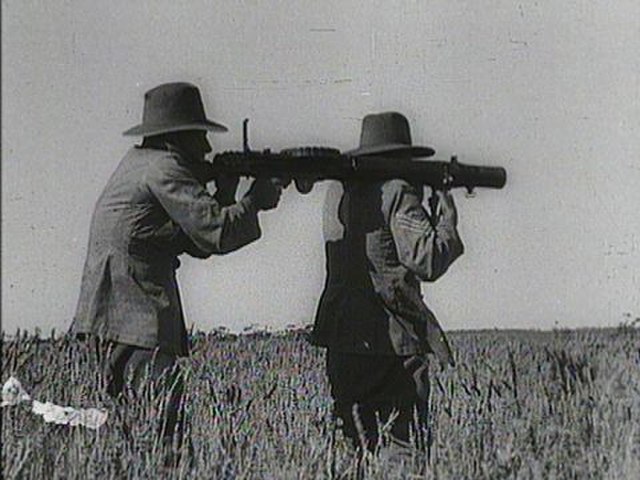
{"x": 562, "y": 404}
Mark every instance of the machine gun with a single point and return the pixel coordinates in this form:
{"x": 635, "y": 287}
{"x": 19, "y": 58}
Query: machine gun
{"x": 307, "y": 165}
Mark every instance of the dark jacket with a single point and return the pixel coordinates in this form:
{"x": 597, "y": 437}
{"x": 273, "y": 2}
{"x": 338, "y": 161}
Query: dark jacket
{"x": 380, "y": 244}
{"x": 152, "y": 209}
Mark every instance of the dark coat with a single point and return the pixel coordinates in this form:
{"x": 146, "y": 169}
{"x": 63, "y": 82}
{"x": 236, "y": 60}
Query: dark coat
{"x": 152, "y": 209}
{"x": 380, "y": 244}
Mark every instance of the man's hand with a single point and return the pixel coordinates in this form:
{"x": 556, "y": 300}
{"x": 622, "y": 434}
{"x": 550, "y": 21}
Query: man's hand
{"x": 266, "y": 193}
{"x": 226, "y": 186}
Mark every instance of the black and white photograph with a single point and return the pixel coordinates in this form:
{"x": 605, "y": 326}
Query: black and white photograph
{"x": 320, "y": 240}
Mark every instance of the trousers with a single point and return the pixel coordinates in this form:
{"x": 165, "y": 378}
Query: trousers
{"x": 369, "y": 389}
{"x": 133, "y": 372}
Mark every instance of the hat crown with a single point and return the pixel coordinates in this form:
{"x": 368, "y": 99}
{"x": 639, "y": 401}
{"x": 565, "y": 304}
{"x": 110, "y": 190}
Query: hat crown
{"x": 388, "y": 128}
{"x": 173, "y": 103}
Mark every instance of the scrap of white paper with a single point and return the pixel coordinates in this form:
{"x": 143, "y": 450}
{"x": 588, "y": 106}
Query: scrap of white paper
{"x": 87, "y": 417}
{"x": 13, "y": 393}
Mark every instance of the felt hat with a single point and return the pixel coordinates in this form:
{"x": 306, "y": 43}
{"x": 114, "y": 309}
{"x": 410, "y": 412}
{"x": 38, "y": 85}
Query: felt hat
{"x": 387, "y": 133}
{"x": 173, "y": 107}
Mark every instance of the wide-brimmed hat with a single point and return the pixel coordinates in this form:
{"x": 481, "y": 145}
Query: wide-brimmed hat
{"x": 173, "y": 107}
{"x": 387, "y": 133}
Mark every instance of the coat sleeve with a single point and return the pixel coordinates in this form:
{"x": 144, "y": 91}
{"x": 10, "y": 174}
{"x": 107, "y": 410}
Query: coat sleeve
{"x": 425, "y": 247}
{"x": 212, "y": 229}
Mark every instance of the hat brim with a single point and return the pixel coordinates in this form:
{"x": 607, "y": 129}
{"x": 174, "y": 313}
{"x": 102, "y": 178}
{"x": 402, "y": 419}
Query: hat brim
{"x": 149, "y": 130}
{"x": 392, "y": 149}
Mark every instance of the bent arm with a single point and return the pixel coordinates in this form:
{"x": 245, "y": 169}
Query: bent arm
{"x": 212, "y": 229}
{"x": 426, "y": 247}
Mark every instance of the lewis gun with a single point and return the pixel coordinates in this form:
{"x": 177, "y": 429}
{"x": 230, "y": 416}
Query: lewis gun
{"x": 307, "y": 165}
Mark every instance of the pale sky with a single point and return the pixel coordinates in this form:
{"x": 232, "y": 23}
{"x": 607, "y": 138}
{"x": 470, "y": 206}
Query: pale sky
{"x": 550, "y": 90}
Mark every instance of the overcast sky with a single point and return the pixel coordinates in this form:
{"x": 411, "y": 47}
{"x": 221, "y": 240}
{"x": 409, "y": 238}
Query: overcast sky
{"x": 549, "y": 90}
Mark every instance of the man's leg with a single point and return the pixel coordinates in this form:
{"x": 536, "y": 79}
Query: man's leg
{"x": 157, "y": 375}
{"x": 417, "y": 366}
{"x": 359, "y": 423}
{"x": 402, "y": 393}
{"x": 133, "y": 371}
{"x": 355, "y": 381}
{"x": 114, "y": 359}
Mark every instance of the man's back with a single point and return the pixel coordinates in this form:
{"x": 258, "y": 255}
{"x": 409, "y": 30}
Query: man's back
{"x": 128, "y": 289}
{"x": 127, "y": 215}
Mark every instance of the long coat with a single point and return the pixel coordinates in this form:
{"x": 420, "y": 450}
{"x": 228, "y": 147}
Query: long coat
{"x": 380, "y": 243}
{"x": 152, "y": 209}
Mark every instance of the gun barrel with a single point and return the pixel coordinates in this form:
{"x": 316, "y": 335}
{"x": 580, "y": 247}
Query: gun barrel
{"x": 435, "y": 173}
{"x": 471, "y": 176}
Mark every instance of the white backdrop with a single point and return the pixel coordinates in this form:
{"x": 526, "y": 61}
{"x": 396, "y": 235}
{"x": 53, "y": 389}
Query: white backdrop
{"x": 549, "y": 90}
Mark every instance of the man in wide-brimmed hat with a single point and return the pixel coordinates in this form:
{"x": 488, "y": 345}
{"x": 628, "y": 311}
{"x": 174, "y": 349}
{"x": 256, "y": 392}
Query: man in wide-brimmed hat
{"x": 381, "y": 243}
{"x": 154, "y": 208}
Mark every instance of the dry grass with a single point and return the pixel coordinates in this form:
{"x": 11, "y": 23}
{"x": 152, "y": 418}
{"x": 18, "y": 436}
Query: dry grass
{"x": 518, "y": 405}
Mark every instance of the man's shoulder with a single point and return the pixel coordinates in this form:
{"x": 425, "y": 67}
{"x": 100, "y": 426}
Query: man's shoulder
{"x": 155, "y": 155}
{"x": 160, "y": 162}
{"x": 398, "y": 186}
{"x": 399, "y": 194}
{"x": 154, "y": 169}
